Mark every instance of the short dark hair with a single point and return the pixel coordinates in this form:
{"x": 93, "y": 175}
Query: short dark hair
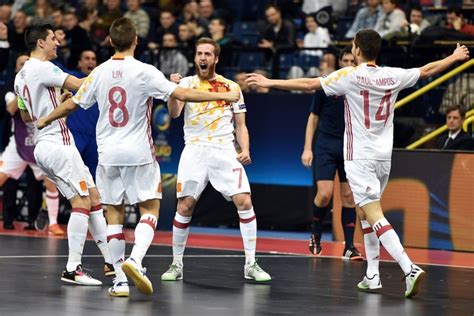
{"x": 207, "y": 40}
{"x": 34, "y": 33}
{"x": 221, "y": 22}
{"x": 345, "y": 51}
{"x": 122, "y": 34}
{"x": 453, "y": 108}
{"x": 456, "y": 9}
{"x": 369, "y": 42}
{"x": 272, "y": 5}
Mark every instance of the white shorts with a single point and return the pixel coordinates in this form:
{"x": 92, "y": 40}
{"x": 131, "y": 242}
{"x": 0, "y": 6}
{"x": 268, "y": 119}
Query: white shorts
{"x": 134, "y": 183}
{"x": 367, "y": 179}
{"x": 200, "y": 164}
{"x": 13, "y": 165}
{"x": 64, "y": 166}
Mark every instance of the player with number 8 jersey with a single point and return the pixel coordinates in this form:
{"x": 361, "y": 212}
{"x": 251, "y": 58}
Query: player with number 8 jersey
{"x": 370, "y": 92}
{"x": 124, "y": 89}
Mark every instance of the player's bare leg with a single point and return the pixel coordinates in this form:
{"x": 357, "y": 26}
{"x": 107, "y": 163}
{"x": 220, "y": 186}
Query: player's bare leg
{"x": 98, "y": 230}
{"x": 52, "y": 205}
{"x": 144, "y": 233}
{"x": 348, "y": 221}
{"x": 3, "y": 178}
{"x": 76, "y": 234}
{"x": 184, "y": 213}
{"x": 248, "y": 230}
{"x": 116, "y": 245}
{"x": 321, "y": 201}
{"x": 389, "y": 239}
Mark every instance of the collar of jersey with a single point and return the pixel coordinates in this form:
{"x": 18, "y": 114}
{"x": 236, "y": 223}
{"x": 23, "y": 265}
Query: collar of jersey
{"x": 119, "y": 57}
{"x": 371, "y": 65}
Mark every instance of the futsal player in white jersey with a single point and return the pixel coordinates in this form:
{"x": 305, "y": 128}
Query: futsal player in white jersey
{"x": 210, "y": 156}
{"x": 124, "y": 88}
{"x": 38, "y": 84}
{"x": 370, "y": 92}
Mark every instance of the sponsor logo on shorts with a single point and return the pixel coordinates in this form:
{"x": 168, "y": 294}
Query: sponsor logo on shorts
{"x": 83, "y": 185}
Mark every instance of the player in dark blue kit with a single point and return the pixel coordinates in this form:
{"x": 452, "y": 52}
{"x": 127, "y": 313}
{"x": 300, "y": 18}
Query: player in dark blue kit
{"x": 327, "y": 116}
{"x": 81, "y": 122}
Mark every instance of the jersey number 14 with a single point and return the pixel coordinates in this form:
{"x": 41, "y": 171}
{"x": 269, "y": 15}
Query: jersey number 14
{"x": 383, "y": 111}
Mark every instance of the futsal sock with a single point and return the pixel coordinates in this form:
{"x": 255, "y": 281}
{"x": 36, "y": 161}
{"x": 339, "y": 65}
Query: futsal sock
{"x": 144, "y": 233}
{"x": 98, "y": 229}
{"x": 52, "y": 205}
{"x": 348, "y": 219}
{"x": 372, "y": 249}
{"x": 248, "y": 230}
{"x": 116, "y": 243}
{"x": 76, "y": 236}
{"x": 180, "y": 236}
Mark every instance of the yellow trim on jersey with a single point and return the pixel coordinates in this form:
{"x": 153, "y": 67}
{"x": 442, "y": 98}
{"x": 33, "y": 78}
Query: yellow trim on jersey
{"x": 344, "y": 72}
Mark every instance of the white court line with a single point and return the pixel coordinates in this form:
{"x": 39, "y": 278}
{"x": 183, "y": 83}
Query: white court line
{"x": 292, "y": 256}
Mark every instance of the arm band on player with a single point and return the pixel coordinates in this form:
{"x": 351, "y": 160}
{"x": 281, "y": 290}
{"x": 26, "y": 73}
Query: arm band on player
{"x": 21, "y": 104}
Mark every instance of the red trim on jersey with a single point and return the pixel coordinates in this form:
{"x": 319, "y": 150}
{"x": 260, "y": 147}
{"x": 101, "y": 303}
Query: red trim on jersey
{"x": 247, "y": 220}
{"x": 64, "y": 132}
{"x": 80, "y": 210}
{"x": 62, "y": 121}
{"x": 350, "y": 136}
{"x": 120, "y": 236}
{"x": 148, "y": 121}
{"x": 372, "y": 65}
{"x": 180, "y": 225}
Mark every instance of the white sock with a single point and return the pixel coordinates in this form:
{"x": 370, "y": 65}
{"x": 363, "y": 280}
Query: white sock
{"x": 372, "y": 249}
{"x": 52, "y": 205}
{"x": 144, "y": 233}
{"x": 76, "y": 236}
{"x": 116, "y": 243}
{"x": 98, "y": 229}
{"x": 248, "y": 230}
{"x": 180, "y": 236}
{"x": 390, "y": 241}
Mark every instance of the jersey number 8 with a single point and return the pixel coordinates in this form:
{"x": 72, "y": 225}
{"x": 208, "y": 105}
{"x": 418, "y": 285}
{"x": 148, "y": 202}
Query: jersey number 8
{"x": 120, "y": 105}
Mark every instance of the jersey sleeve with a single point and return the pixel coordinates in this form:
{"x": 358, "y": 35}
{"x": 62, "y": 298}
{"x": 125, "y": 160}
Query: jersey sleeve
{"x": 86, "y": 95}
{"x": 158, "y": 86}
{"x": 317, "y": 103}
{"x": 408, "y": 77}
{"x": 336, "y": 83}
{"x": 51, "y": 75}
{"x": 239, "y": 106}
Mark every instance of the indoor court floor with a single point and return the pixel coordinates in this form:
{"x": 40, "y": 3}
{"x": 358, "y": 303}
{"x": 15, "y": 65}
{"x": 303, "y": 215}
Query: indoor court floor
{"x": 213, "y": 284}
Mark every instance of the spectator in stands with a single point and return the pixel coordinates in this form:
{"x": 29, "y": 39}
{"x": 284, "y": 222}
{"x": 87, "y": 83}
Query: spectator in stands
{"x": 239, "y": 78}
{"x": 460, "y": 92}
{"x": 206, "y": 10}
{"x": 5, "y": 13}
{"x": 456, "y": 21}
{"x": 417, "y": 23}
{"x": 391, "y": 20}
{"x": 171, "y": 59}
{"x": 338, "y": 7}
{"x": 317, "y": 36}
{"x": 167, "y": 24}
{"x": 217, "y": 31}
{"x": 278, "y": 33}
{"x": 4, "y": 46}
{"x": 140, "y": 18}
{"x": 42, "y": 13}
{"x": 15, "y": 33}
{"x": 89, "y": 17}
{"x": 57, "y": 17}
{"x": 105, "y": 20}
{"x": 366, "y": 18}
{"x": 455, "y": 138}
{"x": 186, "y": 41}
{"x": 77, "y": 39}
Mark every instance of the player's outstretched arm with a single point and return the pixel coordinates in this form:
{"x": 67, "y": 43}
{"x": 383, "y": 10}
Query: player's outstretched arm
{"x": 73, "y": 83}
{"x": 61, "y": 111}
{"x": 461, "y": 53}
{"x": 301, "y": 84}
{"x": 193, "y": 95}
{"x": 242, "y": 136}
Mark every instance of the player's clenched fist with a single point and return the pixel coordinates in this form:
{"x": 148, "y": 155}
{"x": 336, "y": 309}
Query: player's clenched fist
{"x": 244, "y": 158}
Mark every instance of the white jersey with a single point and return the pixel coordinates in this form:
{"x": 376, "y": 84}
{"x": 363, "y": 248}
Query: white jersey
{"x": 39, "y": 84}
{"x": 370, "y": 94}
{"x": 123, "y": 89}
{"x": 211, "y": 123}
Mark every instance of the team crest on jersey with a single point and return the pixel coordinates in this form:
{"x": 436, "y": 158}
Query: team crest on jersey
{"x": 56, "y": 70}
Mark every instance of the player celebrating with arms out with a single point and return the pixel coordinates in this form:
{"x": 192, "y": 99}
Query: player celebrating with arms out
{"x": 210, "y": 156}
{"x": 370, "y": 92}
{"x": 124, "y": 89}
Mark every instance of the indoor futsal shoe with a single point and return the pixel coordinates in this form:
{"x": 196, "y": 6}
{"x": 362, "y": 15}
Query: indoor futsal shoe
{"x": 119, "y": 289}
{"x": 254, "y": 272}
{"x": 413, "y": 280}
{"x": 352, "y": 254}
{"x": 42, "y": 220}
{"x": 79, "y": 277}
{"x": 109, "y": 270}
{"x": 369, "y": 284}
{"x": 138, "y": 275}
{"x": 175, "y": 272}
{"x": 315, "y": 246}
{"x": 55, "y": 230}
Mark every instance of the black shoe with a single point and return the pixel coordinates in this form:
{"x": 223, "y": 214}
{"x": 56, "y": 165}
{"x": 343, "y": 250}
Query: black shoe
{"x": 352, "y": 254}
{"x": 8, "y": 226}
{"x": 109, "y": 270}
{"x": 315, "y": 246}
{"x": 42, "y": 220}
{"x": 30, "y": 226}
